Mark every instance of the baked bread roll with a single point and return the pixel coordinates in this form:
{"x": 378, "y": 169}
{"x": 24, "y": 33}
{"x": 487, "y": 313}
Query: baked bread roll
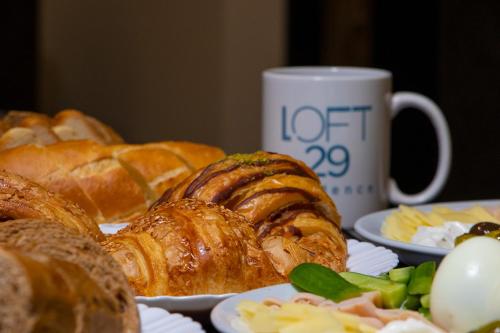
{"x": 295, "y": 220}
{"x": 41, "y": 294}
{"x": 21, "y": 198}
{"x": 110, "y": 183}
{"x": 23, "y": 127}
{"x": 191, "y": 247}
{"x": 50, "y": 244}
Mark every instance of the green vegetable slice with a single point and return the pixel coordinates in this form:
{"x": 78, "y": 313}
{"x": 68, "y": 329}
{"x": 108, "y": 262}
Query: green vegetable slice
{"x": 421, "y": 279}
{"x": 401, "y": 275}
{"x": 323, "y": 281}
{"x": 426, "y": 313}
{"x": 426, "y": 301}
{"x": 393, "y": 293}
{"x": 411, "y": 303}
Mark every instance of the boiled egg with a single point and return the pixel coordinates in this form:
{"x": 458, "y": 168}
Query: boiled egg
{"x": 465, "y": 292}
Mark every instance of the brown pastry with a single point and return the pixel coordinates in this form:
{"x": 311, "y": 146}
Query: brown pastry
{"x": 111, "y": 182}
{"x": 191, "y": 247}
{"x": 64, "y": 279}
{"x": 295, "y": 220}
{"x": 21, "y": 198}
{"x": 24, "y": 127}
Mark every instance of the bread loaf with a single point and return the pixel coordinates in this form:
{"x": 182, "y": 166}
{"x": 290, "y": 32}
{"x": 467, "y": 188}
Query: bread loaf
{"x": 191, "y": 247}
{"x": 23, "y": 127}
{"x": 21, "y": 198}
{"x": 113, "y": 182}
{"x": 51, "y": 244}
{"x": 295, "y": 220}
{"x": 41, "y": 294}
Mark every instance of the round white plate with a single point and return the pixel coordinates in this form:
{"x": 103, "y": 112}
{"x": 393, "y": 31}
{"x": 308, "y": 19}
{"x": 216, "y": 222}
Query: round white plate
{"x": 369, "y": 227}
{"x": 184, "y": 304}
{"x": 155, "y": 320}
{"x": 225, "y": 317}
{"x": 362, "y": 257}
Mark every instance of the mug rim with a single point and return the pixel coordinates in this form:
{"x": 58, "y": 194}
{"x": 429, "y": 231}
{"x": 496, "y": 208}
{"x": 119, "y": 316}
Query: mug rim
{"x": 327, "y": 73}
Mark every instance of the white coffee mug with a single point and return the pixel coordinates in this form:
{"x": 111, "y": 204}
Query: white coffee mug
{"x": 338, "y": 120}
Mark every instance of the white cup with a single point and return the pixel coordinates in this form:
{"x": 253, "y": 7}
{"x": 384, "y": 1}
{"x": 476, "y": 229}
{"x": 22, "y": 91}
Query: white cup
{"x": 338, "y": 120}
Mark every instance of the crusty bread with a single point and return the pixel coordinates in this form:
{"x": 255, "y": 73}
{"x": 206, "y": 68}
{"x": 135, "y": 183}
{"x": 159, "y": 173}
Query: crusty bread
{"x": 282, "y": 198}
{"x": 46, "y": 238}
{"x": 112, "y": 182}
{"x": 42, "y": 294}
{"x": 191, "y": 247}
{"x": 74, "y": 125}
{"x": 21, "y": 198}
{"x": 24, "y": 127}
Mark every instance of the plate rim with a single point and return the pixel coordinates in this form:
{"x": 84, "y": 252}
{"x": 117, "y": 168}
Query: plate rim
{"x": 216, "y": 311}
{"x": 360, "y": 226}
{"x": 185, "y": 297}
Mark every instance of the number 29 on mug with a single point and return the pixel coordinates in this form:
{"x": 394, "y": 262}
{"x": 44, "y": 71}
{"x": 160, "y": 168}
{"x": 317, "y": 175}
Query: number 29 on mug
{"x": 333, "y": 161}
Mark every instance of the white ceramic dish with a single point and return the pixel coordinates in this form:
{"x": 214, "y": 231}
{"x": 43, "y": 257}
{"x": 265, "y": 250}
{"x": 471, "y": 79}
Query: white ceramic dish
{"x": 224, "y": 316}
{"x": 369, "y": 227}
{"x": 155, "y": 320}
{"x": 184, "y": 304}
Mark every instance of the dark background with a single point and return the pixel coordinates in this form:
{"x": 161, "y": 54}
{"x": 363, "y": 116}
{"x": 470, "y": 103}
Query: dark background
{"x": 447, "y": 50}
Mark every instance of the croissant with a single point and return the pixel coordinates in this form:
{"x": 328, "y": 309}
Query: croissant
{"x": 21, "y": 198}
{"x": 110, "y": 182}
{"x": 191, "y": 247}
{"x": 56, "y": 280}
{"x": 23, "y": 127}
{"x": 295, "y": 220}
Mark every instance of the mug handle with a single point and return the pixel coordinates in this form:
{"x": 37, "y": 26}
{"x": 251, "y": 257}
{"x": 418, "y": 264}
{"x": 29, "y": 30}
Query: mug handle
{"x": 400, "y": 101}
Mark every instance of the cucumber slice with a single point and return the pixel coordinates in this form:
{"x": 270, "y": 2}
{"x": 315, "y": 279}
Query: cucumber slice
{"x": 401, "y": 275}
{"x": 393, "y": 293}
{"x": 411, "y": 303}
{"x": 425, "y": 312}
{"x": 426, "y": 301}
{"x": 322, "y": 281}
{"x": 421, "y": 279}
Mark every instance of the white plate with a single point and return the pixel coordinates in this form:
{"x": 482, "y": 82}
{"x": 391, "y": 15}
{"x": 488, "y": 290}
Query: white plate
{"x": 155, "y": 320}
{"x": 184, "y": 304}
{"x": 369, "y": 227}
{"x": 363, "y": 258}
{"x": 224, "y": 315}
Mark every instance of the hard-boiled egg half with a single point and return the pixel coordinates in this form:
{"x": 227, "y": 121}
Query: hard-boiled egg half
{"x": 465, "y": 292}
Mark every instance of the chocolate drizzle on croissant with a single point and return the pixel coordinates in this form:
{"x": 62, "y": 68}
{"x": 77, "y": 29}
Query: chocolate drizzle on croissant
{"x": 261, "y": 168}
{"x": 294, "y": 219}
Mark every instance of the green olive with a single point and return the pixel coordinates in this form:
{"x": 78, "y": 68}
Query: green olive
{"x": 494, "y": 234}
{"x": 463, "y": 237}
{"x": 484, "y": 228}
{"x": 493, "y": 327}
